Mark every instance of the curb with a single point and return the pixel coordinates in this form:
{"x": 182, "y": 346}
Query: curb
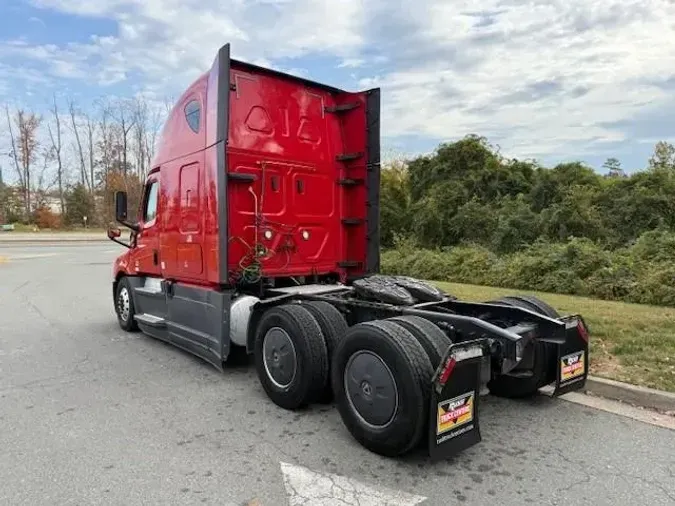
{"x": 638, "y": 396}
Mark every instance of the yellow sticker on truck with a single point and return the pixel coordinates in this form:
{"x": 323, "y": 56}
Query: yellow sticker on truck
{"x": 454, "y": 413}
{"x": 572, "y": 366}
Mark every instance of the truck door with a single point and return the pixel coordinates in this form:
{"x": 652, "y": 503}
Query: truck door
{"x": 147, "y": 240}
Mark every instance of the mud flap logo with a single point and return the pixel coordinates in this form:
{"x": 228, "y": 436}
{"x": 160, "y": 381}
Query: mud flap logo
{"x": 453, "y": 414}
{"x": 572, "y": 366}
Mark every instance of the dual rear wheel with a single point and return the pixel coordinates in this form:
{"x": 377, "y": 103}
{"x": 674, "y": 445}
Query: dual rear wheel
{"x": 378, "y": 372}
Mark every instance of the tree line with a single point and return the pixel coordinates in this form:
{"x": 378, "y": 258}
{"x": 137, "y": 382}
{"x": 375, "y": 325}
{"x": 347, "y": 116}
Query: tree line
{"x": 463, "y": 213}
{"x": 75, "y": 157}
{"x": 467, "y": 214}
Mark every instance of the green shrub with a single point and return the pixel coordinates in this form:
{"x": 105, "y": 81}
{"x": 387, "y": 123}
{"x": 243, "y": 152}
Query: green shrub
{"x": 655, "y": 286}
{"x": 643, "y": 273}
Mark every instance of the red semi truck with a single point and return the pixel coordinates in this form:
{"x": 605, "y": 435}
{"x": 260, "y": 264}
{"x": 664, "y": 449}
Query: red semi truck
{"x": 259, "y": 228}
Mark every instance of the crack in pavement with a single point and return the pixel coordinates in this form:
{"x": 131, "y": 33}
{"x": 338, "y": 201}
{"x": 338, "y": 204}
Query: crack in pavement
{"x": 590, "y": 474}
{"x": 646, "y": 481}
{"x": 305, "y": 486}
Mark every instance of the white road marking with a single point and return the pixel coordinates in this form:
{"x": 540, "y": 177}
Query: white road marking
{"x": 304, "y": 486}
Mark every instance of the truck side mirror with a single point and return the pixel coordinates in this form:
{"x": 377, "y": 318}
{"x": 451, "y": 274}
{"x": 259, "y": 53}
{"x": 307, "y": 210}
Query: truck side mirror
{"x": 121, "y": 206}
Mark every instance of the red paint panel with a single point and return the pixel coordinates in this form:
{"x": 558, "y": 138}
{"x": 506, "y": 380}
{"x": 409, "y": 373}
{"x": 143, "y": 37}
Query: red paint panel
{"x": 189, "y": 199}
{"x": 182, "y": 237}
{"x": 280, "y": 132}
{"x": 189, "y": 258}
{"x": 210, "y": 212}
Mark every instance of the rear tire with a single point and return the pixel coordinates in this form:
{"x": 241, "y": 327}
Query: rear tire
{"x": 383, "y": 357}
{"x": 545, "y": 356}
{"x": 532, "y": 303}
{"x": 433, "y": 340}
{"x": 124, "y": 306}
{"x": 290, "y": 355}
{"x": 334, "y": 327}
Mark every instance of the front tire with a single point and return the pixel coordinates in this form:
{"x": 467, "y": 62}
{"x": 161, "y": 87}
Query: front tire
{"x": 124, "y": 306}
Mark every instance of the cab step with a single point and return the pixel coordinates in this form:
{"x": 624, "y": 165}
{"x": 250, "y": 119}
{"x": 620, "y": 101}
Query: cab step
{"x": 151, "y": 320}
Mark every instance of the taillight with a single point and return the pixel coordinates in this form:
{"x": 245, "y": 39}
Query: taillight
{"x": 583, "y": 332}
{"x": 447, "y": 371}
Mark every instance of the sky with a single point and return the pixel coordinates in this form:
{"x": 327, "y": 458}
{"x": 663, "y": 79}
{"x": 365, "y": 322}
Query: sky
{"x": 555, "y": 80}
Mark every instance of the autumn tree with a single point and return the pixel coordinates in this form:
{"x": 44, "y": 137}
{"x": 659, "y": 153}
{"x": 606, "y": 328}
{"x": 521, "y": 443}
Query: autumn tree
{"x": 23, "y": 132}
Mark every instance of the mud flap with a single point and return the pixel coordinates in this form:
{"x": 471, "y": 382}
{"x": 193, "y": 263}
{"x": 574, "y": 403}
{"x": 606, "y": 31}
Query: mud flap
{"x": 453, "y": 415}
{"x": 572, "y": 363}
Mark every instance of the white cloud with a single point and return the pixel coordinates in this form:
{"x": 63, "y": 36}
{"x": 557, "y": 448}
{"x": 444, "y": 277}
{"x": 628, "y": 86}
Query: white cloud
{"x": 156, "y": 36}
{"x": 540, "y": 78}
{"x": 352, "y": 63}
{"x": 34, "y": 19}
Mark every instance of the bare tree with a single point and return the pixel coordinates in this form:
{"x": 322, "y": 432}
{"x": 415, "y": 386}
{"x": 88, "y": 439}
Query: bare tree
{"x": 105, "y": 138}
{"x": 41, "y": 187}
{"x": 14, "y": 153}
{"x": 105, "y": 147}
{"x": 123, "y": 114}
{"x": 151, "y": 138}
{"x": 168, "y": 104}
{"x": 57, "y": 150}
{"x": 91, "y": 128}
{"x": 140, "y": 134}
{"x": 84, "y": 179}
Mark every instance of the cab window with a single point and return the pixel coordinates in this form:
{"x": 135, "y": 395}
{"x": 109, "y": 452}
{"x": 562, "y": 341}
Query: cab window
{"x": 150, "y": 210}
{"x": 193, "y": 115}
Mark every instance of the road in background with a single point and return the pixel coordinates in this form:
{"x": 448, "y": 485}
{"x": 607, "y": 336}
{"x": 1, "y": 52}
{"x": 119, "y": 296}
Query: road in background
{"x": 92, "y": 415}
{"x": 51, "y": 237}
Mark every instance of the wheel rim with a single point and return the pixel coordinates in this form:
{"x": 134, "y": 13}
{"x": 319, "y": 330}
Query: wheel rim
{"x": 123, "y": 305}
{"x": 279, "y": 357}
{"x": 371, "y": 389}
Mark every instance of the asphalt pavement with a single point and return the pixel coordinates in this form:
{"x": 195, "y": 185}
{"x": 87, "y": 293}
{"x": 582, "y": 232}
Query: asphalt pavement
{"x": 56, "y": 238}
{"x": 92, "y": 415}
